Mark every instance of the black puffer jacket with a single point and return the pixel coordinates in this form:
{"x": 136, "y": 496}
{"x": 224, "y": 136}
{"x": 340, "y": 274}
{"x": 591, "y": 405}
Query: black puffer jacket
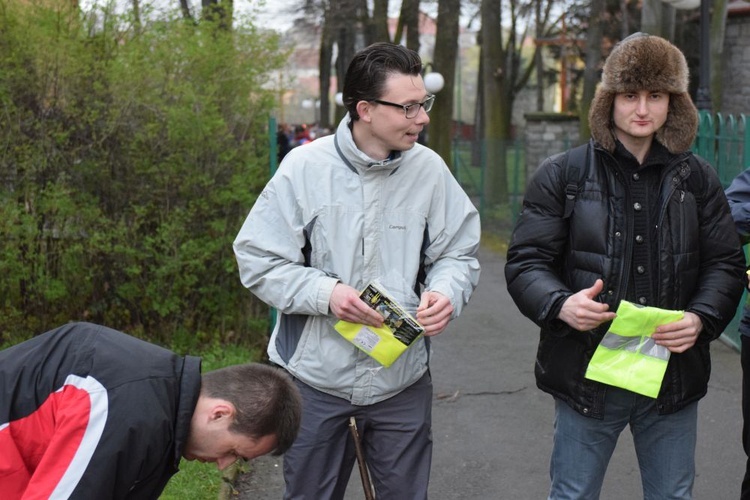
{"x": 700, "y": 269}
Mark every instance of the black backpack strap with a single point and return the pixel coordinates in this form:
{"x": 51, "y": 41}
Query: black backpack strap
{"x": 575, "y": 171}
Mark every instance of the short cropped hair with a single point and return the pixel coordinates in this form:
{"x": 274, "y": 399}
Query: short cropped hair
{"x": 265, "y": 399}
{"x": 365, "y": 78}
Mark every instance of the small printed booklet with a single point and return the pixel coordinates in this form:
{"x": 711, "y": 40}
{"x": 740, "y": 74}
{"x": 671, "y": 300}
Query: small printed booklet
{"x": 388, "y": 342}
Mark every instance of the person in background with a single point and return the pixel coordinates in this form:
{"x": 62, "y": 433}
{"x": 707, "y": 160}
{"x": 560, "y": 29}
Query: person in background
{"x": 650, "y": 225}
{"x": 89, "y": 412}
{"x": 302, "y": 135}
{"x": 738, "y": 195}
{"x": 344, "y": 210}
{"x": 283, "y": 141}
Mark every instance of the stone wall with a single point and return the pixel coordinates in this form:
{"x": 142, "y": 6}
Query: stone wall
{"x": 546, "y": 134}
{"x": 736, "y": 94}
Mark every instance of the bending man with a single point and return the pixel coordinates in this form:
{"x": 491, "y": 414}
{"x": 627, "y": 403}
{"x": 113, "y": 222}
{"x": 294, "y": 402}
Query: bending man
{"x": 89, "y": 412}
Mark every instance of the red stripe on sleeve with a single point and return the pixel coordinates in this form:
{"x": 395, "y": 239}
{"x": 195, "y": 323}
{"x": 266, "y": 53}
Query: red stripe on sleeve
{"x": 38, "y": 450}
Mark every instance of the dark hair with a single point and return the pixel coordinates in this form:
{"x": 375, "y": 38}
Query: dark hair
{"x": 265, "y": 399}
{"x": 369, "y": 69}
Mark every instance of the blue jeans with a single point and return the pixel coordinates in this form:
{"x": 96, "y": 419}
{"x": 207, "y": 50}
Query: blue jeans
{"x": 664, "y": 445}
{"x": 745, "y": 360}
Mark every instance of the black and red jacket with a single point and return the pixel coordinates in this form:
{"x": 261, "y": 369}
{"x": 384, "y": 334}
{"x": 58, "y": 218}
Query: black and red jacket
{"x": 88, "y": 412}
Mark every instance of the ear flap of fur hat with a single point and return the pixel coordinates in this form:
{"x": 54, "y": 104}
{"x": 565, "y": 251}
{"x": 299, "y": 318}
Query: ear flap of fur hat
{"x": 645, "y": 62}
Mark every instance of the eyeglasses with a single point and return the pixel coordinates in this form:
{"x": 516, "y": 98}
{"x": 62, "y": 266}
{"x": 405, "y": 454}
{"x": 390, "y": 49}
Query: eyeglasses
{"x": 411, "y": 110}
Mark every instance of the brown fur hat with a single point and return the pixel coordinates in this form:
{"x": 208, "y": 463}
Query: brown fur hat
{"x": 645, "y": 62}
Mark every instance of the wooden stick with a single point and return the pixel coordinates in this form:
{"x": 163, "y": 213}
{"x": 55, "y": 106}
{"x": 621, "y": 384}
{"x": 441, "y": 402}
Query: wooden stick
{"x": 366, "y": 484}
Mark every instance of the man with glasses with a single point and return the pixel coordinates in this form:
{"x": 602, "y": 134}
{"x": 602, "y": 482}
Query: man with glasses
{"x": 411, "y": 110}
{"x": 367, "y": 203}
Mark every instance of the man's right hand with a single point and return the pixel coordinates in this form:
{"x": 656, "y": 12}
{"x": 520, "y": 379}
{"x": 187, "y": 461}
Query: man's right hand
{"x": 345, "y": 304}
{"x": 582, "y": 312}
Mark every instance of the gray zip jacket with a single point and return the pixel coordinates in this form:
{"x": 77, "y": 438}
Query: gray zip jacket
{"x": 331, "y": 214}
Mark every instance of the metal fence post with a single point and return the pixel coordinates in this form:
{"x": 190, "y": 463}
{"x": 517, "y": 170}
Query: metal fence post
{"x": 273, "y": 163}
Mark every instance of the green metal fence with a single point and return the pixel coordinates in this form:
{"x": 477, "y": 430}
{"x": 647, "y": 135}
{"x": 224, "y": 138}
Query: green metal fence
{"x": 470, "y": 165}
{"x": 724, "y": 140}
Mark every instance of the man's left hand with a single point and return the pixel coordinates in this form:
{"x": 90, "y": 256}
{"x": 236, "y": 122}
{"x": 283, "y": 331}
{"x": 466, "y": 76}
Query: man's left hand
{"x": 681, "y": 335}
{"x": 434, "y": 312}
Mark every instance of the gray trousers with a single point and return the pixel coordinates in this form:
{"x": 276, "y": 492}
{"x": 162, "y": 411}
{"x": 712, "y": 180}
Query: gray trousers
{"x": 396, "y": 436}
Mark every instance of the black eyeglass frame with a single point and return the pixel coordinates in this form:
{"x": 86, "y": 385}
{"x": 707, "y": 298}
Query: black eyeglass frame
{"x": 426, "y": 104}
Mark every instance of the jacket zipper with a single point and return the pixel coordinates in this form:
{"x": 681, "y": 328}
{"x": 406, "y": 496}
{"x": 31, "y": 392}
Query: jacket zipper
{"x": 673, "y": 170}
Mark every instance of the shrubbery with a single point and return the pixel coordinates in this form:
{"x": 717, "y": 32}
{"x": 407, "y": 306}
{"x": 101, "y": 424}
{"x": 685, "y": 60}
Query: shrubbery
{"x": 130, "y": 154}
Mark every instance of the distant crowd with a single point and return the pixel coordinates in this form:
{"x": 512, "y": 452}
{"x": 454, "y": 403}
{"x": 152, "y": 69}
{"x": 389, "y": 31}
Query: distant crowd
{"x": 291, "y": 136}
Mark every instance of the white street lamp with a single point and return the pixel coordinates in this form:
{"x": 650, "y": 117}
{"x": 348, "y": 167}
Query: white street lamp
{"x": 434, "y": 82}
{"x": 683, "y": 4}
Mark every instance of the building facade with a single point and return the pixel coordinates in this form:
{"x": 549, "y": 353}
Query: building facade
{"x": 736, "y": 57}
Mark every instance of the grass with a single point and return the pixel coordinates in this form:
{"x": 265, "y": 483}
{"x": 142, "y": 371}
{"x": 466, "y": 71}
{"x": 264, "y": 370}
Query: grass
{"x": 196, "y": 480}
{"x": 494, "y": 242}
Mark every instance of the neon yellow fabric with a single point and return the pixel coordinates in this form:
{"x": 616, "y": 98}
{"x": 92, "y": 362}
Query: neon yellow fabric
{"x": 627, "y": 356}
{"x": 377, "y": 342}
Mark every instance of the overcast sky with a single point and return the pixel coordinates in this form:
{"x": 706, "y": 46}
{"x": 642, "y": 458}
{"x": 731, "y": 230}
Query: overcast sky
{"x": 269, "y": 13}
{"x": 276, "y": 14}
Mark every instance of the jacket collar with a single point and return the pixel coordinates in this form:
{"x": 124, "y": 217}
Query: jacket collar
{"x": 658, "y": 155}
{"x": 354, "y": 158}
{"x": 190, "y": 388}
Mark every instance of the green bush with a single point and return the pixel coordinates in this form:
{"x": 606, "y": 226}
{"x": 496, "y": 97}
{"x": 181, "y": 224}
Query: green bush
{"x": 130, "y": 154}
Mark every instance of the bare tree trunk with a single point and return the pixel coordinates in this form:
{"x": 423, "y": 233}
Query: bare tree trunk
{"x": 137, "y": 14}
{"x": 399, "y": 34}
{"x": 365, "y": 22}
{"x": 538, "y": 62}
{"x": 476, "y": 151}
{"x": 444, "y": 60}
{"x": 591, "y": 71}
{"x": 185, "y": 9}
{"x": 718, "y": 29}
{"x": 409, "y": 21}
{"x": 343, "y": 20}
{"x": 324, "y": 70}
{"x": 625, "y": 17}
{"x": 492, "y": 59}
{"x": 344, "y": 32}
{"x": 668, "y": 22}
{"x": 380, "y": 21}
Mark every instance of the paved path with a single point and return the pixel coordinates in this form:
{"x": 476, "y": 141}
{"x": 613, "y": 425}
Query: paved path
{"x": 493, "y": 428}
